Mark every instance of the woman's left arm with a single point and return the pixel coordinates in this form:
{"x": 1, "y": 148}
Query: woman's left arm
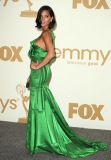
{"x": 50, "y": 49}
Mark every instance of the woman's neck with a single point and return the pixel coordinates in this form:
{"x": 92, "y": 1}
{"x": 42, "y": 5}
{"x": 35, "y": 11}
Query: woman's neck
{"x": 45, "y": 29}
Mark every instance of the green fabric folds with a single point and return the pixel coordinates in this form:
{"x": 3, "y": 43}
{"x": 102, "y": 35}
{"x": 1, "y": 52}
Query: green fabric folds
{"x": 47, "y": 130}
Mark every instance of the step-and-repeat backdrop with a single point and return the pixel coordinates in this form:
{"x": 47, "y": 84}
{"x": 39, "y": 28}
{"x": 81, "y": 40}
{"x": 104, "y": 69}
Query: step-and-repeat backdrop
{"x": 81, "y": 73}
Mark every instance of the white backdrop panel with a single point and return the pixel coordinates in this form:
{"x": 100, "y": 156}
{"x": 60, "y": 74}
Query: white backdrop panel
{"x": 81, "y": 81}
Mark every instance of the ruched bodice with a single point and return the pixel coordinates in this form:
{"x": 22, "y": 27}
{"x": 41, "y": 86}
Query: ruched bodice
{"x": 36, "y": 52}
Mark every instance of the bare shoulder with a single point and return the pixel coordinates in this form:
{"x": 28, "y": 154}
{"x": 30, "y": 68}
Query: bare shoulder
{"x": 46, "y": 34}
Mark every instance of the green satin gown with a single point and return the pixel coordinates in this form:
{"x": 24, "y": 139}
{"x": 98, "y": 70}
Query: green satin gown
{"x": 47, "y": 130}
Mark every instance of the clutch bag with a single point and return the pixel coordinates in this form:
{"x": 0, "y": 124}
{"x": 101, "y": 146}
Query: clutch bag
{"x": 28, "y": 84}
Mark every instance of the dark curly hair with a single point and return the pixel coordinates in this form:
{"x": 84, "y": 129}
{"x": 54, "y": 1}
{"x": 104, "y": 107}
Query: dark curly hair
{"x": 38, "y": 19}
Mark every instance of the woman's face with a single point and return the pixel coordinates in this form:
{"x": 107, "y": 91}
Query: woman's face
{"x": 45, "y": 18}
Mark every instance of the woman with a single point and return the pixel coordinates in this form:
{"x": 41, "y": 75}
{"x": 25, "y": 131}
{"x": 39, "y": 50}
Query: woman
{"x": 47, "y": 130}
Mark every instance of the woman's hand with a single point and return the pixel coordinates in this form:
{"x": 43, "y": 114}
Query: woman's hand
{"x": 34, "y": 65}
